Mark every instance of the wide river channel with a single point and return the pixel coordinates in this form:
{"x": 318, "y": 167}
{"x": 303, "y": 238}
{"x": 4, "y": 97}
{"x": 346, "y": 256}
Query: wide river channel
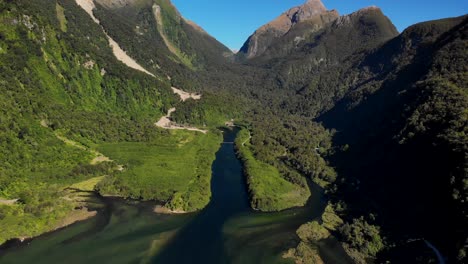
{"x": 226, "y": 231}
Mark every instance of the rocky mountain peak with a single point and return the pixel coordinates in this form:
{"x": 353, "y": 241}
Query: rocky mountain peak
{"x": 263, "y": 37}
{"x": 297, "y": 14}
{"x": 310, "y": 9}
{"x": 304, "y": 12}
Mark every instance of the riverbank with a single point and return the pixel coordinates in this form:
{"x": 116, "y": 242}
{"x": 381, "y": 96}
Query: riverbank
{"x": 227, "y": 226}
{"x": 79, "y": 209}
{"x": 174, "y": 167}
{"x": 159, "y": 209}
{"x": 268, "y": 190}
{"x": 75, "y": 216}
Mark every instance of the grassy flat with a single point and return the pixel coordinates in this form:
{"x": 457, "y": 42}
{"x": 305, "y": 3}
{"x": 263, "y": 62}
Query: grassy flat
{"x": 175, "y": 168}
{"x": 87, "y": 185}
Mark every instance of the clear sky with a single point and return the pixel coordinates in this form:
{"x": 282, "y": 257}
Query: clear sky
{"x": 232, "y": 22}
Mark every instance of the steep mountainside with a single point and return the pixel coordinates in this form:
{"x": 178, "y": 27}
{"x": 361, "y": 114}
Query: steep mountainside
{"x": 271, "y": 32}
{"x": 345, "y": 74}
{"x": 66, "y": 97}
{"x": 387, "y": 96}
{"x": 156, "y": 35}
{"x": 405, "y": 127}
{"x": 303, "y": 63}
{"x": 378, "y": 119}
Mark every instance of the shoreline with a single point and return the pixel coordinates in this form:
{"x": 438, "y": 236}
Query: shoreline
{"x": 82, "y": 214}
{"x": 159, "y": 209}
{"x": 74, "y": 217}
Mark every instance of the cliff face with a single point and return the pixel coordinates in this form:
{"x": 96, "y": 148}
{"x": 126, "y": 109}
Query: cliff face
{"x": 267, "y": 34}
{"x": 299, "y": 25}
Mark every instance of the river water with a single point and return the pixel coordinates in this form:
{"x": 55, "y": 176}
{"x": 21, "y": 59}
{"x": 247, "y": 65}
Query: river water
{"x": 226, "y": 231}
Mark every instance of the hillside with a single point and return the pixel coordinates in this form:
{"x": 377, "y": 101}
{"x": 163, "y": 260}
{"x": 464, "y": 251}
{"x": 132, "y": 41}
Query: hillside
{"x": 375, "y": 117}
{"x": 65, "y": 95}
{"x": 411, "y": 136}
{"x": 398, "y": 139}
{"x": 155, "y": 34}
{"x": 269, "y": 33}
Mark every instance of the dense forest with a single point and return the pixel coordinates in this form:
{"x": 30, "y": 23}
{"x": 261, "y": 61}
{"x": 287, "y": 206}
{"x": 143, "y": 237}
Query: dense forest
{"x": 63, "y": 94}
{"x": 376, "y": 118}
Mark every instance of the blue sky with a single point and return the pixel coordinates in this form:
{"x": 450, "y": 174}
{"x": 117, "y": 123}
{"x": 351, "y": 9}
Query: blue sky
{"x": 231, "y": 22}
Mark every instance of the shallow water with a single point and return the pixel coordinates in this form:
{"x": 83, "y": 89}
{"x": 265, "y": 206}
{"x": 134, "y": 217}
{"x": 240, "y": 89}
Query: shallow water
{"x": 226, "y": 231}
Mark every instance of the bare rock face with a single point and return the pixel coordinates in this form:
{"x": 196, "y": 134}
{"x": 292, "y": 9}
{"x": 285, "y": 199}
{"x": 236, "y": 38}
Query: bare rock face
{"x": 265, "y": 35}
{"x": 309, "y": 9}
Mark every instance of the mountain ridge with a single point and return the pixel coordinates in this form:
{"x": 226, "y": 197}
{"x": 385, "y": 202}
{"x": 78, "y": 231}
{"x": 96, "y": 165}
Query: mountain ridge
{"x": 312, "y": 11}
{"x": 343, "y": 101}
{"x": 260, "y": 39}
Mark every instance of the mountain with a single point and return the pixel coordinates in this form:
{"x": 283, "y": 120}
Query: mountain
{"x": 377, "y": 118}
{"x": 269, "y": 33}
{"x": 376, "y": 93}
{"x": 74, "y": 86}
{"x": 410, "y": 137}
{"x": 401, "y": 141}
{"x": 155, "y": 34}
{"x": 300, "y": 25}
{"x": 328, "y": 48}
{"x": 310, "y": 50}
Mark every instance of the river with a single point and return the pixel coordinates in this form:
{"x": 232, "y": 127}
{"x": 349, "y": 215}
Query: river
{"x": 226, "y": 231}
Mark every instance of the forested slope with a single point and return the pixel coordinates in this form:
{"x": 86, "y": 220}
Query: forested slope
{"x": 405, "y": 136}
{"x": 396, "y": 108}
{"x": 156, "y": 35}
{"x": 375, "y": 117}
{"x": 63, "y": 95}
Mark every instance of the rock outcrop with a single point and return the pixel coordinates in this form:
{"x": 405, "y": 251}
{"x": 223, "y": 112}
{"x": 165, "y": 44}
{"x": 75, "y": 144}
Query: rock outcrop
{"x": 267, "y": 34}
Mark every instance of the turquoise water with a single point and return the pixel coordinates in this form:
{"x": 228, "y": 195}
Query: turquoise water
{"x": 226, "y": 231}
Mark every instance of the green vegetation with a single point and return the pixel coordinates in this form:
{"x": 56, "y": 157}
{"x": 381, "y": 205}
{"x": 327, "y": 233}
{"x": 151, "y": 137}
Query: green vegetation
{"x": 363, "y": 120}
{"x": 330, "y": 219}
{"x": 312, "y": 232}
{"x": 361, "y": 241}
{"x": 399, "y": 109}
{"x": 314, "y": 237}
{"x": 169, "y": 24}
{"x": 213, "y": 110}
{"x": 268, "y": 190}
{"x": 303, "y": 254}
{"x": 283, "y": 151}
{"x": 411, "y": 139}
{"x": 87, "y": 185}
{"x": 136, "y": 30}
{"x": 61, "y": 17}
{"x": 295, "y": 145}
{"x": 175, "y": 168}
{"x": 56, "y": 68}
{"x": 362, "y": 237}
{"x": 33, "y": 215}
